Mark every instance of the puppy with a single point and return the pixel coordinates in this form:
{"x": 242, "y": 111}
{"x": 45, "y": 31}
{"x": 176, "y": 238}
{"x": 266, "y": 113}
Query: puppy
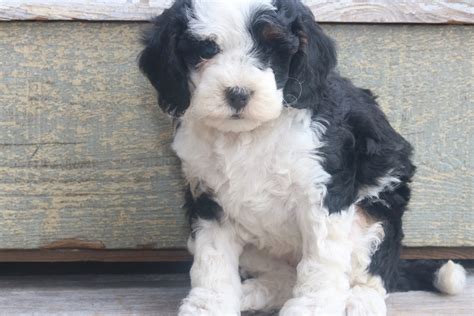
{"x": 297, "y": 183}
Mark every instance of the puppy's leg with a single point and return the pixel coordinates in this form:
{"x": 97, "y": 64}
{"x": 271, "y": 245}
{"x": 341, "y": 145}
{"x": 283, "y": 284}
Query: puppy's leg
{"x": 271, "y": 284}
{"x": 215, "y": 281}
{"x": 323, "y": 285}
{"x": 367, "y": 291}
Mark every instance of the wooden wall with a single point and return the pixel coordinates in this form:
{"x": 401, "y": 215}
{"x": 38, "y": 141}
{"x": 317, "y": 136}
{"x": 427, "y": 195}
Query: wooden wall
{"x": 84, "y": 151}
{"x": 345, "y": 11}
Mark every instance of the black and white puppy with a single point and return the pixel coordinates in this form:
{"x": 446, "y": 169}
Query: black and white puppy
{"x": 296, "y": 178}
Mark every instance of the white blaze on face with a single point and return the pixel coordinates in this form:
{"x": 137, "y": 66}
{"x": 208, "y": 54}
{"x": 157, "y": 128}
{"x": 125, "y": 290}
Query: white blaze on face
{"x": 228, "y": 23}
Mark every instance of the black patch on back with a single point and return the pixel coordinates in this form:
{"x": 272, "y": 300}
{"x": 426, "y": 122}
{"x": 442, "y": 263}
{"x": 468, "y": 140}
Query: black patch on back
{"x": 360, "y": 145}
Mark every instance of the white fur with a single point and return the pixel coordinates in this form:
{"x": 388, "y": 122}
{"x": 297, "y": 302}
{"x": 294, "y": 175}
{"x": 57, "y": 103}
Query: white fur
{"x": 215, "y": 280}
{"x": 367, "y": 300}
{"x": 388, "y": 182}
{"x": 367, "y": 294}
{"x": 260, "y": 194}
{"x": 322, "y": 285}
{"x": 450, "y": 278}
{"x": 271, "y": 280}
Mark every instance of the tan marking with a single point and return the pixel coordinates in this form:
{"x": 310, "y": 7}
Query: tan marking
{"x": 271, "y": 32}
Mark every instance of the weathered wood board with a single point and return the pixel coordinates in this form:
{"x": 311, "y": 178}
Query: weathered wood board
{"x": 154, "y": 294}
{"x": 348, "y": 11}
{"x": 84, "y": 151}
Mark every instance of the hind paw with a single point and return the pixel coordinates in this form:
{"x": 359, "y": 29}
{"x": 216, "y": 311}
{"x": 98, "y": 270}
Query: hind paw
{"x": 255, "y": 296}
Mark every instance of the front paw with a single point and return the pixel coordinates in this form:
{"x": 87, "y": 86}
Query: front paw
{"x": 308, "y": 306}
{"x": 205, "y": 302}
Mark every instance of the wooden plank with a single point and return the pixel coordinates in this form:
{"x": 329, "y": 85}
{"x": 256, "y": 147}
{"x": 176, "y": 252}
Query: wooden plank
{"x": 93, "y": 295}
{"x": 182, "y": 255}
{"x": 388, "y": 11}
{"x": 429, "y": 304}
{"x": 345, "y": 11}
{"x": 84, "y": 150}
{"x": 153, "y": 294}
{"x": 95, "y": 10}
{"x": 87, "y": 255}
{"x": 458, "y": 253}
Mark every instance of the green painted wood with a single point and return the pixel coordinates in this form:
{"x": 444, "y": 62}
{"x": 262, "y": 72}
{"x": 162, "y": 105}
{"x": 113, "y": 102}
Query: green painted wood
{"x": 84, "y": 150}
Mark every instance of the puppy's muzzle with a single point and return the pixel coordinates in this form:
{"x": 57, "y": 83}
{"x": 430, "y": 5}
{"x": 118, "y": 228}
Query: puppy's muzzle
{"x": 237, "y": 98}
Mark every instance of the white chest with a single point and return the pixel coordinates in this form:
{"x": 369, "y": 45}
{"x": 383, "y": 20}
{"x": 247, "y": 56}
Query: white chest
{"x": 260, "y": 178}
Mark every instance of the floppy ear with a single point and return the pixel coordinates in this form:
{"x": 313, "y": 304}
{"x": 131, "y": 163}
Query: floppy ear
{"x": 315, "y": 58}
{"x": 161, "y": 62}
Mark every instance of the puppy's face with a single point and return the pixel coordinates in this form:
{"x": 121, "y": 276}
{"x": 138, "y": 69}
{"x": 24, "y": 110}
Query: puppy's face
{"x": 238, "y": 53}
{"x": 232, "y": 65}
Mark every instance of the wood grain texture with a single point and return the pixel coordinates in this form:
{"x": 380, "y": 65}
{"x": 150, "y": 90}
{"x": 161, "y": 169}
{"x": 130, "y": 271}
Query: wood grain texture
{"x": 345, "y": 11}
{"x": 428, "y": 304}
{"x": 182, "y": 255}
{"x": 88, "y": 255}
{"x": 85, "y": 155}
{"x": 84, "y": 151}
{"x": 458, "y": 253}
{"x": 153, "y": 294}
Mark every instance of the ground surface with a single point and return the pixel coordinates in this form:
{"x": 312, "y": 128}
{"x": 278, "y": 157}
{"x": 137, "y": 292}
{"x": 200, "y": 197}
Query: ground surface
{"x": 153, "y": 294}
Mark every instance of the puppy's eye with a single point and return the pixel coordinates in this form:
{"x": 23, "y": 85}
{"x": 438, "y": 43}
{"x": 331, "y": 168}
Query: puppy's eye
{"x": 208, "y": 49}
{"x": 195, "y": 51}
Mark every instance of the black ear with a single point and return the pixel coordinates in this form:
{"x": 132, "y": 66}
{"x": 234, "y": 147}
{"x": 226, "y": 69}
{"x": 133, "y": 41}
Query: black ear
{"x": 161, "y": 62}
{"x": 314, "y": 60}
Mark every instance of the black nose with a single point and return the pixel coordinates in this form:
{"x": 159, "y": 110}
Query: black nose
{"x": 237, "y": 97}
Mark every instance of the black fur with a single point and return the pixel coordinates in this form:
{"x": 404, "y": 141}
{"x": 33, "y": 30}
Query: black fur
{"x": 202, "y": 206}
{"x": 361, "y": 146}
{"x": 295, "y": 47}
{"x": 162, "y": 64}
{"x": 416, "y": 275}
{"x": 389, "y": 208}
{"x": 314, "y": 60}
{"x": 275, "y": 43}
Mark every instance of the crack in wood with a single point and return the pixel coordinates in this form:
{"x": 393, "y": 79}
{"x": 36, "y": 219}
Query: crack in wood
{"x": 34, "y": 153}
